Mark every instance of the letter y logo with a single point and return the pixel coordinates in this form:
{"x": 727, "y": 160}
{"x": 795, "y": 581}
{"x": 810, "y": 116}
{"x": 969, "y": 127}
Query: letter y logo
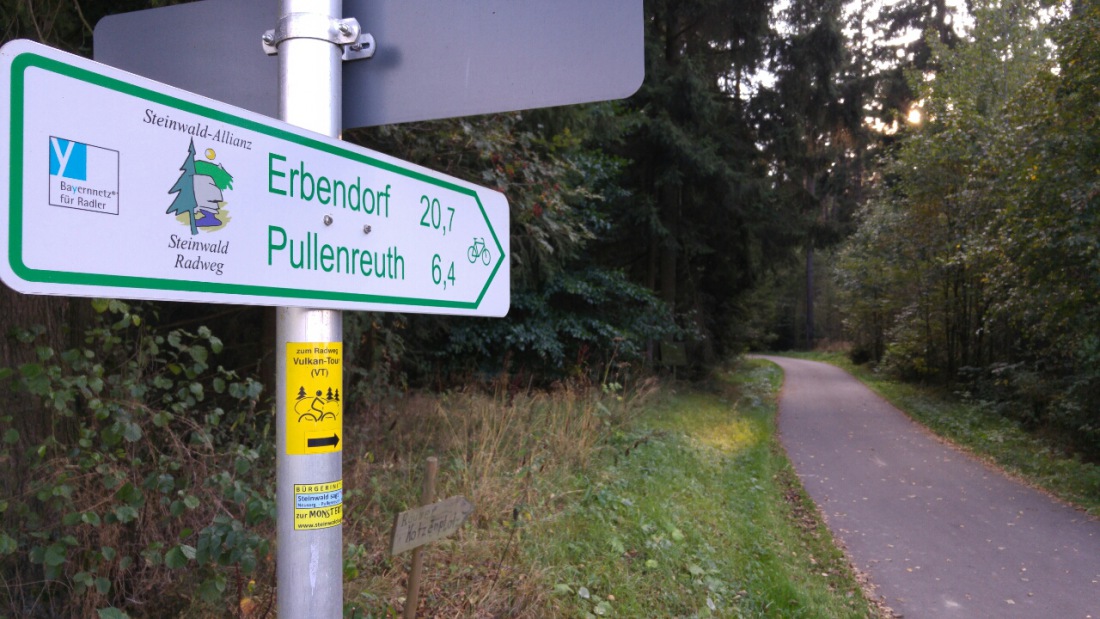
{"x": 68, "y": 159}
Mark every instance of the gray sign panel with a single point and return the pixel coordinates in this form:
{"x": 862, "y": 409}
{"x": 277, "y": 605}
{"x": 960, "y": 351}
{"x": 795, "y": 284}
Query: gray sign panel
{"x": 434, "y": 59}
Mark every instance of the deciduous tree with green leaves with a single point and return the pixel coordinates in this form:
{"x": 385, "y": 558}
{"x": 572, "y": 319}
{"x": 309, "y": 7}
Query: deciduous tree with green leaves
{"x": 982, "y": 238}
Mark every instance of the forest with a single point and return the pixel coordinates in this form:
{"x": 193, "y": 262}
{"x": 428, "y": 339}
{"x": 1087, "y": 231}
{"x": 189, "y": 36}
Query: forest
{"x": 915, "y": 182}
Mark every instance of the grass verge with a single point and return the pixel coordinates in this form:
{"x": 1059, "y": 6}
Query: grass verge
{"x": 981, "y": 431}
{"x": 642, "y": 501}
{"x": 699, "y": 515}
{"x": 516, "y": 455}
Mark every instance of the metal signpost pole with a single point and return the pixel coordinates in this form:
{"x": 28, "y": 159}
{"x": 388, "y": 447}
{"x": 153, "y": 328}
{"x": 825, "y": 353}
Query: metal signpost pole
{"x": 310, "y": 570}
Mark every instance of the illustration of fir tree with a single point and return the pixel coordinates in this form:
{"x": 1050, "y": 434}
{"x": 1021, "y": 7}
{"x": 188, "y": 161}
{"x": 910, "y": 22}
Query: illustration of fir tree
{"x": 184, "y": 189}
{"x": 301, "y": 393}
{"x": 329, "y": 394}
{"x": 337, "y": 398}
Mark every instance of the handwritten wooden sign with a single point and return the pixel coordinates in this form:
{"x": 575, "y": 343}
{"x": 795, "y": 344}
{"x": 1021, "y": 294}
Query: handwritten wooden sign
{"x": 430, "y": 523}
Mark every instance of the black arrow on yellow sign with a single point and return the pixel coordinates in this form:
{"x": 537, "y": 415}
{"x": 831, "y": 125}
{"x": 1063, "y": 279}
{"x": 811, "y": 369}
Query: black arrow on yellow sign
{"x": 328, "y": 441}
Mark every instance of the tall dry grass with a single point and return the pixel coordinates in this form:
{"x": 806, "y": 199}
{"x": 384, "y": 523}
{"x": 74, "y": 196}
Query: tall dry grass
{"x": 512, "y": 453}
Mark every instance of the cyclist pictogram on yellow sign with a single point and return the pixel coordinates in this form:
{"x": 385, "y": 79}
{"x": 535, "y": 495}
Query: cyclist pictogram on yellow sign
{"x": 315, "y": 409}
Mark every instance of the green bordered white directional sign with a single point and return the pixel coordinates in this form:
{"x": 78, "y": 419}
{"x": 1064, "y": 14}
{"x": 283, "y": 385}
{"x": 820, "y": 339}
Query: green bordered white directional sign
{"x": 112, "y": 185}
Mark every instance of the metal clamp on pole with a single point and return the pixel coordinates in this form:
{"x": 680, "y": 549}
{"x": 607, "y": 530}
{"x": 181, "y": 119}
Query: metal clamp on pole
{"x": 354, "y": 43}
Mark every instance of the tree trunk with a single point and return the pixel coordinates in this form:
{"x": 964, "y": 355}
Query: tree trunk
{"x": 64, "y": 322}
{"x": 810, "y": 297}
{"x": 670, "y": 244}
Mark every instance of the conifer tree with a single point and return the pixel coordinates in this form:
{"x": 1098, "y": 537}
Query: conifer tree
{"x": 692, "y": 228}
{"x": 934, "y": 19}
{"x": 807, "y": 128}
{"x": 185, "y": 201}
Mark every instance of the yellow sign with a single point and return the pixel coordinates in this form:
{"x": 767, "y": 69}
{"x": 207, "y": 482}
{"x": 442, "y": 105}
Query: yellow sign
{"x": 315, "y": 409}
{"x": 318, "y": 506}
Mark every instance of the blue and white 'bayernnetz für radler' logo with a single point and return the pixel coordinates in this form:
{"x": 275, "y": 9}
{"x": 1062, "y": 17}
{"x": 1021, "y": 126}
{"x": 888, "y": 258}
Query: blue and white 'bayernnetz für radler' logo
{"x": 83, "y": 176}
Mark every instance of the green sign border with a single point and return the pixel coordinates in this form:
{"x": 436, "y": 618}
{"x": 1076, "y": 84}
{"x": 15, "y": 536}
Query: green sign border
{"x": 22, "y": 62}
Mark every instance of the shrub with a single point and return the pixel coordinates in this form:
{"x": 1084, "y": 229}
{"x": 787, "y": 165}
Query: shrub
{"x": 146, "y": 474}
{"x": 575, "y": 325}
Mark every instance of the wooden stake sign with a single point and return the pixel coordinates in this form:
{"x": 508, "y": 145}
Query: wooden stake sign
{"x": 429, "y": 523}
{"x": 423, "y": 525}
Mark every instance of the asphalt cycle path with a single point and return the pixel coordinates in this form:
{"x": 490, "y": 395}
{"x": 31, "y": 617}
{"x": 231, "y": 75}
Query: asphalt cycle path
{"x": 937, "y": 532}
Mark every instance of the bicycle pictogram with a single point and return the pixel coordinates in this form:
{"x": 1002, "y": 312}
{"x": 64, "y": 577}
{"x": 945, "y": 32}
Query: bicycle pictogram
{"x": 478, "y": 249}
{"x": 318, "y": 407}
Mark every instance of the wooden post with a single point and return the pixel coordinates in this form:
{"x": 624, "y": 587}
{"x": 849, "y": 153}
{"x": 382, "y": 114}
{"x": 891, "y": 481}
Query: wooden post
{"x": 427, "y": 498}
